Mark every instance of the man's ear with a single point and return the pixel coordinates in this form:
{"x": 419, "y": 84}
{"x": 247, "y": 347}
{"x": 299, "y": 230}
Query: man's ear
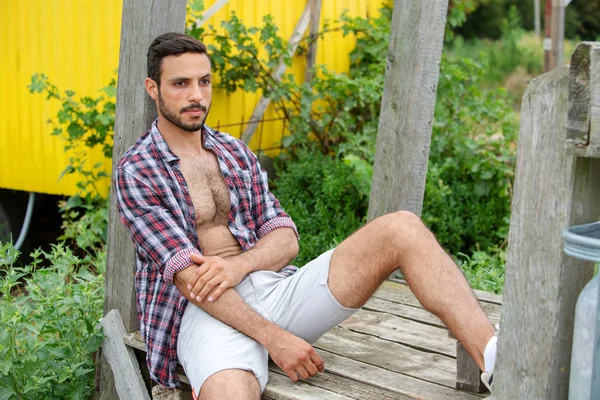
{"x": 151, "y": 88}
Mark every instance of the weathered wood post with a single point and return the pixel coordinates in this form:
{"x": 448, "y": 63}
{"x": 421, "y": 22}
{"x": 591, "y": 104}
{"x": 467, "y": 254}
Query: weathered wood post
{"x": 142, "y": 21}
{"x": 405, "y": 123}
{"x": 553, "y": 190}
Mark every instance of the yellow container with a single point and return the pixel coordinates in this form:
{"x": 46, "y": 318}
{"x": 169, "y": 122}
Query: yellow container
{"x": 76, "y": 44}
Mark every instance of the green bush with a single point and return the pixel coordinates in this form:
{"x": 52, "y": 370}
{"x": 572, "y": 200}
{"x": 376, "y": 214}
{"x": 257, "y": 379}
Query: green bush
{"x": 324, "y": 196}
{"x": 49, "y": 324}
{"x": 471, "y": 163}
{"x": 50, "y": 309}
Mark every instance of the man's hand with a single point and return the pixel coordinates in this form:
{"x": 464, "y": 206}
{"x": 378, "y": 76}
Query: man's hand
{"x": 294, "y": 356}
{"x": 213, "y": 276}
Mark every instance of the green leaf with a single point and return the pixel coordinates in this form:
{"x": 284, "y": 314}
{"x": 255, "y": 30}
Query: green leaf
{"x": 5, "y": 366}
{"x": 75, "y": 131}
{"x": 7, "y": 393}
{"x": 287, "y": 141}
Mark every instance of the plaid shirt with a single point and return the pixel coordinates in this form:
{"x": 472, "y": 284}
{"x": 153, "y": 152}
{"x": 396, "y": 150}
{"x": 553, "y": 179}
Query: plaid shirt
{"x": 156, "y": 207}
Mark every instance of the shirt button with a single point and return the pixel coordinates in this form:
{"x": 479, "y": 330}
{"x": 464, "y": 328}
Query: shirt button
{"x": 184, "y": 183}
{"x": 179, "y": 313}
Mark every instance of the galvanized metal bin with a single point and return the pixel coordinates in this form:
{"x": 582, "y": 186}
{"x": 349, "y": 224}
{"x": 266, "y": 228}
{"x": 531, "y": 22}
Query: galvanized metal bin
{"x": 583, "y": 242}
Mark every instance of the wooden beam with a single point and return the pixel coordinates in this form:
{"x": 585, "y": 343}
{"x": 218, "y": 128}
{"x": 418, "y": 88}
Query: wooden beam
{"x": 548, "y": 60}
{"x": 558, "y": 32}
{"x": 411, "y": 79}
{"x": 583, "y": 124}
{"x": 536, "y": 18}
{"x": 143, "y": 20}
{"x": 311, "y": 54}
{"x": 208, "y": 14}
{"x": 552, "y": 191}
{"x": 264, "y": 102}
{"x": 124, "y": 365}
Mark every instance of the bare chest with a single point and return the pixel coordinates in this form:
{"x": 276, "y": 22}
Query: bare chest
{"x": 207, "y": 189}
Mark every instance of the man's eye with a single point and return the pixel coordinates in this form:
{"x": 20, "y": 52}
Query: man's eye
{"x": 205, "y": 81}
{"x": 179, "y": 83}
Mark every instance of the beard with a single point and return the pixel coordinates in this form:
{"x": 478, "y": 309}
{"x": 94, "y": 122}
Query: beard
{"x": 176, "y": 120}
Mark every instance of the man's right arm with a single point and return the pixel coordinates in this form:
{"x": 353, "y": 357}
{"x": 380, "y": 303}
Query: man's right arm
{"x": 293, "y": 355}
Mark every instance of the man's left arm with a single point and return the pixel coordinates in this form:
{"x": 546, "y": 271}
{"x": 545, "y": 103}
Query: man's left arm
{"x": 215, "y": 275}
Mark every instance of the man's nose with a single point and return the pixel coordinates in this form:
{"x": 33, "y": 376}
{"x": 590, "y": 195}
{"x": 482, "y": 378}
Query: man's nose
{"x": 196, "y": 93}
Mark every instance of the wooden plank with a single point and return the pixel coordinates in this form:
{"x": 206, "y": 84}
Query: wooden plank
{"x": 468, "y": 374}
{"x": 594, "y": 147}
{"x": 388, "y": 380}
{"x": 264, "y": 102}
{"x": 552, "y": 192}
{"x": 344, "y": 386}
{"x": 392, "y": 356}
{"x": 403, "y": 331}
{"x": 413, "y": 313}
{"x": 134, "y": 340}
{"x": 163, "y": 393}
{"x": 311, "y": 53}
{"x": 280, "y": 387}
{"x": 125, "y": 370}
{"x": 405, "y": 123}
{"x": 402, "y": 294}
{"x": 583, "y": 123}
{"x": 410, "y": 312}
{"x": 208, "y": 14}
{"x": 143, "y": 20}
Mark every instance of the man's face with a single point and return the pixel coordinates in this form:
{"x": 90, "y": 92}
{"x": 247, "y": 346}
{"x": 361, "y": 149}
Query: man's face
{"x": 185, "y": 92}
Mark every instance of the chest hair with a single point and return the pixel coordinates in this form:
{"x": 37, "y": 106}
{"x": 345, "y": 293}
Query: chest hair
{"x": 207, "y": 189}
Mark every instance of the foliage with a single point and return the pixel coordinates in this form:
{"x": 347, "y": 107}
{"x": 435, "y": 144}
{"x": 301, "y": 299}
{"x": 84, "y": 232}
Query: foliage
{"x": 49, "y": 315}
{"x": 194, "y": 17}
{"x": 324, "y": 197}
{"x": 323, "y": 177}
{"x": 484, "y": 270}
{"x": 83, "y": 124}
{"x": 581, "y": 19}
{"x": 49, "y": 324}
{"x": 472, "y": 159}
{"x": 324, "y": 109}
{"x": 457, "y": 15}
{"x": 504, "y": 56}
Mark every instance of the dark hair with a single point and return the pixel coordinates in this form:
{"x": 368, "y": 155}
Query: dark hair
{"x": 170, "y": 44}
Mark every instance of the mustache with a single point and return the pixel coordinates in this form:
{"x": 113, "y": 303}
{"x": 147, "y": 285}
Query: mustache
{"x": 194, "y": 107}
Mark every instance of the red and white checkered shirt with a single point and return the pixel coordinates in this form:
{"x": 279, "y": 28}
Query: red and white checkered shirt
{"x": 155, "y": 205}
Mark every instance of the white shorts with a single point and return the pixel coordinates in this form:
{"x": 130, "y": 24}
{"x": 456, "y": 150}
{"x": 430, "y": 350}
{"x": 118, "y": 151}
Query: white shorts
{"x": 301, "y": 304}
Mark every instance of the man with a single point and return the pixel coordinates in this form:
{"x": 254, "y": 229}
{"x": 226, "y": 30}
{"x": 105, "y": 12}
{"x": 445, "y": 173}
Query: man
{"x": 214, "y": 290}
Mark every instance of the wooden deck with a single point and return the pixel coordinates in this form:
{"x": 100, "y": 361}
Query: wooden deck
{"x": 390, "y": 349}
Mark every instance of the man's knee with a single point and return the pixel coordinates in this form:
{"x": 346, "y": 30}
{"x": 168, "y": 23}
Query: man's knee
{"x": 231, "y": 384}
{"x": 403, "y": 224}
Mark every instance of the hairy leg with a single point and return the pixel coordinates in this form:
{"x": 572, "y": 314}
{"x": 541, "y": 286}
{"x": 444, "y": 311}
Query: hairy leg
{"x": 400, "y": 240}
{"x": 230, "y": 384}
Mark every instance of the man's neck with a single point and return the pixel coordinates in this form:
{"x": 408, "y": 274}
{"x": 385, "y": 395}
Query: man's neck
{"x": 181, "y": 142}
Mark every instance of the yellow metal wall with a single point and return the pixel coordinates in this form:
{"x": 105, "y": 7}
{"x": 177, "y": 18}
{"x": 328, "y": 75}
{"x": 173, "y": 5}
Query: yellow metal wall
{"x": 76, "y": 44}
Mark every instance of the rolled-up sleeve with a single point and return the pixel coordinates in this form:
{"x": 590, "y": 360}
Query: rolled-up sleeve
{"x": 267, "y": 212}
{"x": 153, "y": 228}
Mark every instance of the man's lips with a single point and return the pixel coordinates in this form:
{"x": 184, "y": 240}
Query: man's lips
{"x": 194, "y": 110}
